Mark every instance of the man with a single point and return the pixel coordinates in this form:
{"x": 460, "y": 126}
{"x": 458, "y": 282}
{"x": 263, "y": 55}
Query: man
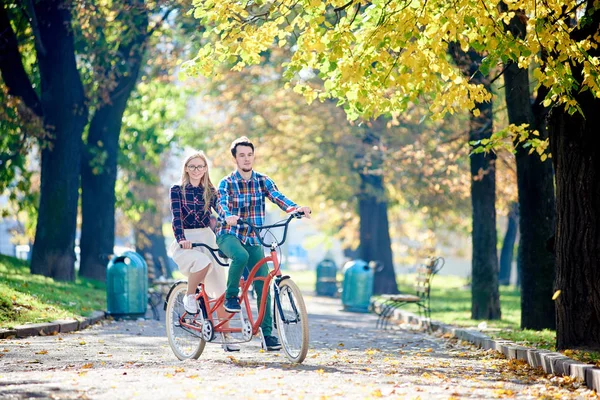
{"x": 242, "y": 195}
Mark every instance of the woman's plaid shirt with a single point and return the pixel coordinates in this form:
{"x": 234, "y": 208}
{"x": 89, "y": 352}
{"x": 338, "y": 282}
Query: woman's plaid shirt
{"x": 189, "y": 213}
{"x": 246, "y": 199}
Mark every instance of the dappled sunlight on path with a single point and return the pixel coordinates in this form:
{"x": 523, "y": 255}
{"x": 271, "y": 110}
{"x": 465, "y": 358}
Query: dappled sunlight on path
{"x": 348, "y": 358}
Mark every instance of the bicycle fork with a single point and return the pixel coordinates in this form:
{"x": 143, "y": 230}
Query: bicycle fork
{"x": 277, "y": 306}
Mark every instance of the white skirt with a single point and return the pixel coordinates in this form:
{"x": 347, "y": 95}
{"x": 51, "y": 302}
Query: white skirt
{"x": 197, "y": 258}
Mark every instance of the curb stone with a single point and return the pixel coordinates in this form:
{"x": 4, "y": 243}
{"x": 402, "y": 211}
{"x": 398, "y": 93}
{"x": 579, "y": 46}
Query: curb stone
{"x": 52, "y": 328}
{"x": 551, "y": 362}
{"x": 7, "y": 333}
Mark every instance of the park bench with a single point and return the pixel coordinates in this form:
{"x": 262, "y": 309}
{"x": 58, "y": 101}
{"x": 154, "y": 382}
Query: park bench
{"x": 157, "y": 293}
{"x": 422, "y": 296}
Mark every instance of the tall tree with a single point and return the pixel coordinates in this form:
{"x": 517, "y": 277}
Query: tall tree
{"x": 575, "y": 142}
{"x": 536, "y": 196}
{"x": 485, "y": 303}
{"x": 374, "y": 232}
{"x": 62, "y": 105}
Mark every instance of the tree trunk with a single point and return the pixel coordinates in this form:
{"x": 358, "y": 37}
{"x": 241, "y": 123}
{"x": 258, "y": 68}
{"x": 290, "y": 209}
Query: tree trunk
{"x": 536, "y": 201}
{"x": 375, "y": 243}
{"x": 508, "y": 246}
{"x": 65, "y": 115}
{"x": 98, "y": 178}
{"x": 574, "y": 142}
{"x": 484, "y": 289}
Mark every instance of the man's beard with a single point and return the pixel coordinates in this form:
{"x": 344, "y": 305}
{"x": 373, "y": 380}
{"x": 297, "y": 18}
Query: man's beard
{"x": 246, "y": 170}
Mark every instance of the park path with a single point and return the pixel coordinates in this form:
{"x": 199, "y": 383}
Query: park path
{"x": 348, "y": 359}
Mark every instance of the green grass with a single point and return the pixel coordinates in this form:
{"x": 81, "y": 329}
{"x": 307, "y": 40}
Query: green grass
{"x": 451, "y": 302}
{"x": 306, "y": 280}
{"x": 34, "y": 298}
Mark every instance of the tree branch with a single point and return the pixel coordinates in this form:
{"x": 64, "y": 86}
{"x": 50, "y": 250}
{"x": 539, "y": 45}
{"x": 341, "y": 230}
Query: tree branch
{"x": 508, "y": 64}
{"x": 36, "y": 28}
{"x": 11, "y": 66}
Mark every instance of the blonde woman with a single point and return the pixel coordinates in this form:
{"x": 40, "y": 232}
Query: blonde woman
{"x": 191, "y": 203}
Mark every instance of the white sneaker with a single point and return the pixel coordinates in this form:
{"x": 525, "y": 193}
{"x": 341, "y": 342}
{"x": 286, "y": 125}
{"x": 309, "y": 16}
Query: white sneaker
{"x": 190, "y": 304}
{"x": 230, "y": 346}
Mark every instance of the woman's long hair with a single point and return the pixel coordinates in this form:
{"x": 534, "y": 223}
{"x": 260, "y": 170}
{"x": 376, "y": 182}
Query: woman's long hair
{"x": 205, "y": 182}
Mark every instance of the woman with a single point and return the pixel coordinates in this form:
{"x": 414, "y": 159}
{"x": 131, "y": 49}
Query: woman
{"x": 191, "y": 202}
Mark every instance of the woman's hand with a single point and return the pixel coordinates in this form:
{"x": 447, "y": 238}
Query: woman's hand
{"x": 185, "y": 244}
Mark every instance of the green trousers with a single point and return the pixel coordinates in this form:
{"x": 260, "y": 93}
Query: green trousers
{"x": 242, "y": 255}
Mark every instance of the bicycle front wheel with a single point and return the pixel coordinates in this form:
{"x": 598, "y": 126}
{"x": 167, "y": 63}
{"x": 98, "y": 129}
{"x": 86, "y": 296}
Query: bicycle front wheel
{"x": 292, "y": 321}
{"x": 185, "y": 343}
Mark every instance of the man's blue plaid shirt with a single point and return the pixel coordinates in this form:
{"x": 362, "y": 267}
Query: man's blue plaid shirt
{"x": 246, "y": 199}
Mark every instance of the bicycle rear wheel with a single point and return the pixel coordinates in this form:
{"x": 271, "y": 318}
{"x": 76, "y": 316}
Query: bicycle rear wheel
{"x": 185, "y": 343}
{"x": 292, "y": 321}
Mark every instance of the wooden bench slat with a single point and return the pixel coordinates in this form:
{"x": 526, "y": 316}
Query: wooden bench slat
{"x": 405, "y": 297}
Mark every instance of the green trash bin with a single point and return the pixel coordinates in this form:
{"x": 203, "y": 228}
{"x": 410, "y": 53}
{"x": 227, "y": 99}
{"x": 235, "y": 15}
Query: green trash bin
{"x": 327, "y": 278}
{"x": 358, "y": 286}
{"x": 127, "y": 286}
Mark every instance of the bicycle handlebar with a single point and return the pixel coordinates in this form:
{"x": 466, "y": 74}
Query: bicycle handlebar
{"x": 285, "y": 224}
{"x": 216, "y": 253}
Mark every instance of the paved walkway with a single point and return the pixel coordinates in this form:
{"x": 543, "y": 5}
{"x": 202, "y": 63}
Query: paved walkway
{"x": 348, "y": 358}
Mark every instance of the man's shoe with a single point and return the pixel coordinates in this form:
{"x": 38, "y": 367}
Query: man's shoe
{"x": 272, "y": 343}
{"x": 232, "y": 305}
{"x": 190, "y": 304}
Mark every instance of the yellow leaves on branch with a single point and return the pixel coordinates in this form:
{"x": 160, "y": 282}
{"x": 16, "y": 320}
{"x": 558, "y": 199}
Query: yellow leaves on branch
{"x": 377, "y": 57}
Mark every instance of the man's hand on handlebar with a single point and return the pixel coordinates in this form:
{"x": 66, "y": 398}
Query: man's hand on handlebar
{"x": 304, "y": 210}
{"x": 232, "y": 221}
{"x": 185, "y": 244}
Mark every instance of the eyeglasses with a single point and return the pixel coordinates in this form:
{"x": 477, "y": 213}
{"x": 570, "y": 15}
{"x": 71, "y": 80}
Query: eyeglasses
{"x": 195, "y": 168}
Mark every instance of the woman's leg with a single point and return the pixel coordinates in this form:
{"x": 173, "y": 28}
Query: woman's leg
{"x": 222, "y": 314}
{"x": 195, "y": 279}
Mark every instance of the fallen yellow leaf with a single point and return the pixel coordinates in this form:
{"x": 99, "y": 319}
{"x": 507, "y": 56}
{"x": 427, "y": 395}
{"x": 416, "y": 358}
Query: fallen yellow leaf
{"x": 504, "y": 392}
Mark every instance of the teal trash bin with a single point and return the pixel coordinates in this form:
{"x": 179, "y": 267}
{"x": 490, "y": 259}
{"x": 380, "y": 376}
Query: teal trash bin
{"x": 358, "y": 286}
{"x": 127, "y": 286}
{"x": 326, "y": 278}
